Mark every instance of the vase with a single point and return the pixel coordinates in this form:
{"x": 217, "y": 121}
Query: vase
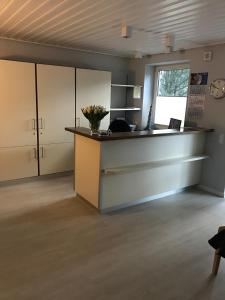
{"x": 94, "y": 126}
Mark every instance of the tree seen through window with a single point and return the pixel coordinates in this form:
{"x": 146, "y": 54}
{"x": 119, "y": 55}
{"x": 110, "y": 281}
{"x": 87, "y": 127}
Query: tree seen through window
{"x": 173, "y": 83}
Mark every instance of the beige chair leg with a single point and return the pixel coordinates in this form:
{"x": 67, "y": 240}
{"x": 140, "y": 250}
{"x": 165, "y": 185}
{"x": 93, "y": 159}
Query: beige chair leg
{"x": 216, "y": 263}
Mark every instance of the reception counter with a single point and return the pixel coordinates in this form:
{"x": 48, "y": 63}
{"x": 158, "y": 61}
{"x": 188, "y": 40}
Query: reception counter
{"x": 124, "y": 169}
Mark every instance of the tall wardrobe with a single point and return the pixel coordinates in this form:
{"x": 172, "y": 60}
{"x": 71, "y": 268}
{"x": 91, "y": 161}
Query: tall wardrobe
{"x": 56, "y": 110}
{"x": 37, "y": 102}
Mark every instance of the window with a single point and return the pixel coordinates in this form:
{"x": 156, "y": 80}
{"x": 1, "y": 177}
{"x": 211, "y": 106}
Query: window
{"x": 171, "y": 93}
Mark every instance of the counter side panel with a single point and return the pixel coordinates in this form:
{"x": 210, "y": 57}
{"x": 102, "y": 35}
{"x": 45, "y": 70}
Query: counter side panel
{"x": 87, "y": 169}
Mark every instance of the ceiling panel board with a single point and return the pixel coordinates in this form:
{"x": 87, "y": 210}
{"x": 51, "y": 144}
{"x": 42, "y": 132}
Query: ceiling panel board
{"x": 77, "y": 25}
{"x": 96, "y": 24}
{"x": 105, "y": 28}
{"x": 65, "y": 18}
{"x": 40, "y": 19}
{"x": 72, "y": 12}
{"x": 97, "y": 19}
{"x": 4, "y": 6}
{"x": 28, "y": 17}
{"x": 102, "y": 29}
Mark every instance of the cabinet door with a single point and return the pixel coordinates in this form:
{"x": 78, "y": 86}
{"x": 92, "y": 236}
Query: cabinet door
{"x": 92, "y": 87}
{"x": 56, "y": 103}
{"x": 56, "y": 158}
{"x": 17, "y": 104}
{"x": 18, "y": 162}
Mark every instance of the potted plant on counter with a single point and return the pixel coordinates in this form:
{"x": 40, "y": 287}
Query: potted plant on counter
{"x": 94, "y": 114}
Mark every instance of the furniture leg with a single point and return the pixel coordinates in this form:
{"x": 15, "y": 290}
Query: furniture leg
{"x": 216, "y": 263}
{"x": 217, "y": 257}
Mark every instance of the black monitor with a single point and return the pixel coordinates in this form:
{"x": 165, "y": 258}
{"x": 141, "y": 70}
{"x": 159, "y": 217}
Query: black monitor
{"x": 174, "y": 124}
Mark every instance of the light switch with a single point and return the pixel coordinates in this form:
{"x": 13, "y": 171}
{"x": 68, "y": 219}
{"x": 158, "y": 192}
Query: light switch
{"x": 221, "y": 139}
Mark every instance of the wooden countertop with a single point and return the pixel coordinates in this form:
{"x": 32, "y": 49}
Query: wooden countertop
{"x": 135, "y": 134}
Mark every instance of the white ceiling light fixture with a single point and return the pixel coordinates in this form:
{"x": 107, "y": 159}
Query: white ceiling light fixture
{"x": 168, "y": 42}
{"x": 126, "y": 31}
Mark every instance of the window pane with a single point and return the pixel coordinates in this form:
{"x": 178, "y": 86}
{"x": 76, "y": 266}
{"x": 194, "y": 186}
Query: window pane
{"x": 170, "y": 107}
{"x": 173, "y": 82}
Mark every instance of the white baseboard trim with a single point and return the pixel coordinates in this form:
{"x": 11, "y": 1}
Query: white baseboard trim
{"x": 143, "y": 200}
{"x": 211, "y": 190}
{"x": 35, "y": 178}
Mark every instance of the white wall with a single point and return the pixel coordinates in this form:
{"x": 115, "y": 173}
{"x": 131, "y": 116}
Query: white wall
{"x": 30, "y": 52}
{"x": 213, "y": 174}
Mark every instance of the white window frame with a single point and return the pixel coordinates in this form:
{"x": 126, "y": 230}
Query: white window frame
{"x": 156, "y": 78}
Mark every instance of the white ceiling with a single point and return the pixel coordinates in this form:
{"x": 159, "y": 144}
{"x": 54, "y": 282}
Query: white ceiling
{"x": 95, "y": 24}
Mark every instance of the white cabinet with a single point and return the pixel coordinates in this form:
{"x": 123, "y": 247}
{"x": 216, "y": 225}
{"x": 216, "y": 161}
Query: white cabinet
{"x": 56, "y": 158}
{"x": 92, "y": 87}
{"x": 17, "y": 104}
{"x": 18, "y": 137}
{"x": 56, "y": 103}
{"x": 37, "y": 102}
{"x": 18, "y": 162}
{"x": 56, "y": 110}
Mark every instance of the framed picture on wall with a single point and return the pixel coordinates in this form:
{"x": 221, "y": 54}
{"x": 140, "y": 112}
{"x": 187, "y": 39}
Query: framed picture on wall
{"x": 199, "y": 78}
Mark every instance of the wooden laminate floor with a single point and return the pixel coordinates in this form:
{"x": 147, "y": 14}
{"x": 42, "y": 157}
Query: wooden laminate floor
{"x": 54, "y": 246}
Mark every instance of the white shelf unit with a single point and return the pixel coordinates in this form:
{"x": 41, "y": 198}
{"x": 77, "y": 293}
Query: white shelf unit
{"x": 125, "y": 109}
{"x": 125, "y": 85}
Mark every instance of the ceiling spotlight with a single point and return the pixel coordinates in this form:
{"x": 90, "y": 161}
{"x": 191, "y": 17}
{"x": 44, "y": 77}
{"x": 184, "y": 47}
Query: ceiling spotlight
{"x": 168, "y": 41}
{"x": 125, "y": 31}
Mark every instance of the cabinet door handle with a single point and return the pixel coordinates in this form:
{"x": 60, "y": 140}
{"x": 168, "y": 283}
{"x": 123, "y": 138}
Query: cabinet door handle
{"x": 41, "y": 123}
{"x": 35, "y": 153}
{"x": 34, "y": 124}
{"x": 42, "y": 152}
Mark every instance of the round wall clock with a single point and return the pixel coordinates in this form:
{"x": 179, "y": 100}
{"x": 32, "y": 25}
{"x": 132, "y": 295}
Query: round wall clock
{"x": 217, "y": 88}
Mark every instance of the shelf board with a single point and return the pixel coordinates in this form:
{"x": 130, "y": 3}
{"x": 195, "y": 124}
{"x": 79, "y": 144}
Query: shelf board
{"x": 153, "y": 164}
{"x": 125, "y": 85}
{"x": 125, "y": 109}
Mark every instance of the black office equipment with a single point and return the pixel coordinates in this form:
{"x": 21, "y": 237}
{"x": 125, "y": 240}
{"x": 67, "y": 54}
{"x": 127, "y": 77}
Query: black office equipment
{"x": 119, "y": 125}
{"x": 148, "y": 126}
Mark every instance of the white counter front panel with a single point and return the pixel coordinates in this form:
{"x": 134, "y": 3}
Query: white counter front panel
{"x": 148, "y": 166}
